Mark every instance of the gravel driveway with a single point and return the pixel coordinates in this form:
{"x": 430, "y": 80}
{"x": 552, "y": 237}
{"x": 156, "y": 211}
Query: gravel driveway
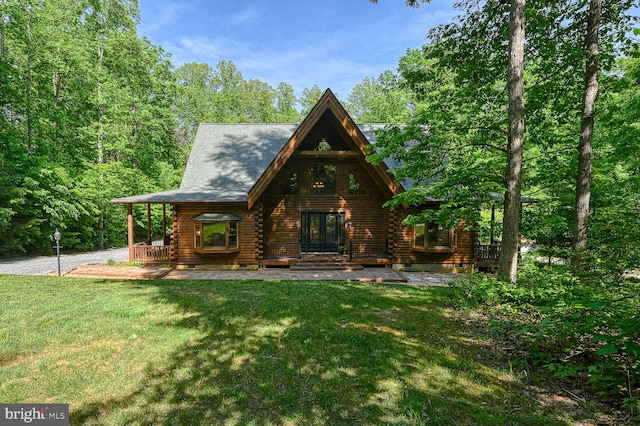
{"x": 48, "y": 264}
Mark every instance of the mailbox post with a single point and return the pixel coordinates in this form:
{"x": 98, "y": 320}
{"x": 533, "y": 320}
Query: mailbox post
{"x": 57, "y": 235}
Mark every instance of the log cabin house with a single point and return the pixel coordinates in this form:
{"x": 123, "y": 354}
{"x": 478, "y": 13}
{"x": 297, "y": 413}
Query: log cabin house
{"x": 281, "y": 195}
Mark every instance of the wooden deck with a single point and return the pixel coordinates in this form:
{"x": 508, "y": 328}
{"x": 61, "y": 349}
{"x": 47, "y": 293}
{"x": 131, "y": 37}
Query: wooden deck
{"x": 99, "y": 270}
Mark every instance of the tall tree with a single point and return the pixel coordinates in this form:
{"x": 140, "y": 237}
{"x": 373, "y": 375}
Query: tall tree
{"x": 474, "y": 50}
{"x": 309, "y": 98}
{"x": 515, "y": 133}
{"x": 195, "y": 102}
{"x": 258, "y": 102}
{"x": 559, "y": 53}
{"x": 614, "y": 225}
{"x": 39, "y": 122}
{"x": 508, "y": 267}
{"x": 228, "y": 87}
{"x": 224, "y": 96}
{"x": 52, "y": 73}
{"x": 286, "y": 104}
{"x": 107, "y": 19}
{"x": 585, "y": 148}
{"x": 379, "y": 100}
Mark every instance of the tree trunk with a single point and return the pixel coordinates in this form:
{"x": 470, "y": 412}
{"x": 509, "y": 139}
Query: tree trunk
{"x": 29, "y": 97}
{"x": 585, "y": 149}
{"x": 100, "y": 142}
{"x": 2, "y": 33}
{"x": 101, "y": 120}
{"x": 508, "y": 266}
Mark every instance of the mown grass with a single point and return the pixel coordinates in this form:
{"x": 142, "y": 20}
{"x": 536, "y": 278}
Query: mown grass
{"x": 249, "y": 352}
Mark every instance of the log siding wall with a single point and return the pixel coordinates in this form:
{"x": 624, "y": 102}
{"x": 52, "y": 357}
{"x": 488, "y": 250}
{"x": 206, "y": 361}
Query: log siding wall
{"x": 184, "y": 243}
{"x": 406, "y": 257}
{"x": 277, "y": 217}
{"x": 282, "y": 213}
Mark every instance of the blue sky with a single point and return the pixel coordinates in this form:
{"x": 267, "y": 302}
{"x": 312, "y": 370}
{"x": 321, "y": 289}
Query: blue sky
{"x": 332, "y": 43}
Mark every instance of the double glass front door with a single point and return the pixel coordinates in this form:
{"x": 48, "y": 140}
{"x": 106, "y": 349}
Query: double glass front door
{"x": 321, "y": 232}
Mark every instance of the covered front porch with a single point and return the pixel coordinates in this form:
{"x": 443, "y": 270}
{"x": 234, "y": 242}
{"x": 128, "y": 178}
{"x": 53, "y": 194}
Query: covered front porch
{"x": 153, "y": 250}
{"x": 159, "y": 248}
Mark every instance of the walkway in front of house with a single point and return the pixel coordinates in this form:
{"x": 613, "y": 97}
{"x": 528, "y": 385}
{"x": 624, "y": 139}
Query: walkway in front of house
{"x": 271, "y": 274}
{"x": 282, "y": 274}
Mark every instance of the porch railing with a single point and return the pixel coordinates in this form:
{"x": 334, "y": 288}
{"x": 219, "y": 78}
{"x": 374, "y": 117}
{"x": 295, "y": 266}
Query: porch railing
{"x": 488, "y": 252}
{"x": 368, "y": 249}
{"x": 143, "y": 252}
{"x": 281, "y": 249}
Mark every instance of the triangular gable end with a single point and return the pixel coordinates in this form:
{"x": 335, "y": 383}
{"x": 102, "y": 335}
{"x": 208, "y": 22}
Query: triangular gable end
{"x": 328, "y": 102}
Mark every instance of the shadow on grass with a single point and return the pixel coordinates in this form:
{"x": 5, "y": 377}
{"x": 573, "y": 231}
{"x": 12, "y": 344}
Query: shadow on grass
{"x": 315, "y": 353}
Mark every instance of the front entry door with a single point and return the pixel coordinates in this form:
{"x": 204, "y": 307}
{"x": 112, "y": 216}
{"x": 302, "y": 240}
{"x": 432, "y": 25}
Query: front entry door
{"x": 320, "y": 232}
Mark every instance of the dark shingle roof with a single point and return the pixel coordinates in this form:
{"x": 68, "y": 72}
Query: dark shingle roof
{"x": 226, "y": 160}
{"x": 231, "y": 157}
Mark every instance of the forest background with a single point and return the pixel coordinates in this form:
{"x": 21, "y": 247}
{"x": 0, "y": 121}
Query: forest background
{"x": 92, "y": 112}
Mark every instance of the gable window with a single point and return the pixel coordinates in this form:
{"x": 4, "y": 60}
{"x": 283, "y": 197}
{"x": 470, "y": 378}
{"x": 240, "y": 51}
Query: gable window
{"x": 323, "y": 146}
{"x": 292, "y": 184}
{"x": 323, "y": 179}
{"x": 355, "y": 187}
{"x": 430, "y": 236}
{"x": 216, "y": 232}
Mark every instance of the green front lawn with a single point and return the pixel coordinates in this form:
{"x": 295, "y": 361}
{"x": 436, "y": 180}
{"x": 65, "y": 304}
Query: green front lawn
{"x": 250, "y": 352}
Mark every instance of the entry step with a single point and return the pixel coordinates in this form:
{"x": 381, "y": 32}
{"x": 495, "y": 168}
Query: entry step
{"x": 326, "y": 266}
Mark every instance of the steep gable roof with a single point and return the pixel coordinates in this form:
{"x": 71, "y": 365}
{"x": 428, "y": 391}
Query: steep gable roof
{"x": 328, "y": 104}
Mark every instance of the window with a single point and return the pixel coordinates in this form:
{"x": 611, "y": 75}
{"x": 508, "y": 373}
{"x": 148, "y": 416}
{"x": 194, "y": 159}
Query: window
{"x": 323, "y": 179}
{"x": 323, "y": 146}
{"x": 355, "y": 187}
{"x": 430, "y": 236}
{"x": 216, "y": 232}
{"x": 292, "y": 185}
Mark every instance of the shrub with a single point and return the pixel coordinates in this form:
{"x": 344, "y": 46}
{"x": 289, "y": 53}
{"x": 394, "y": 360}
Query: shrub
{"x": 567, "y": 322}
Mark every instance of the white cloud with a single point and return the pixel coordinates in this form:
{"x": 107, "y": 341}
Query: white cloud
{"x": 303, "y": 67}
{"x": 302, "y": 43}
{"x": 204, "y": 49}
{"x": 157, "y": 16}
{"x": 244, "y": 16}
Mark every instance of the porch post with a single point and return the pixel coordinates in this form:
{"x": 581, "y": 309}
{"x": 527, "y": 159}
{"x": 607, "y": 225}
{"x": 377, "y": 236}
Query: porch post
{"x": 149, "y": 223}
{"x": 493, "y": 219}
{"x": 130, "y": 230}
{"x": 164, "y": 224}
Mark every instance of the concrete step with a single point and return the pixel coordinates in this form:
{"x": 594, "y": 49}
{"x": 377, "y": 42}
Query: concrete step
{"x": 322, "y": 258}
{"x": 326, "y": 266}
